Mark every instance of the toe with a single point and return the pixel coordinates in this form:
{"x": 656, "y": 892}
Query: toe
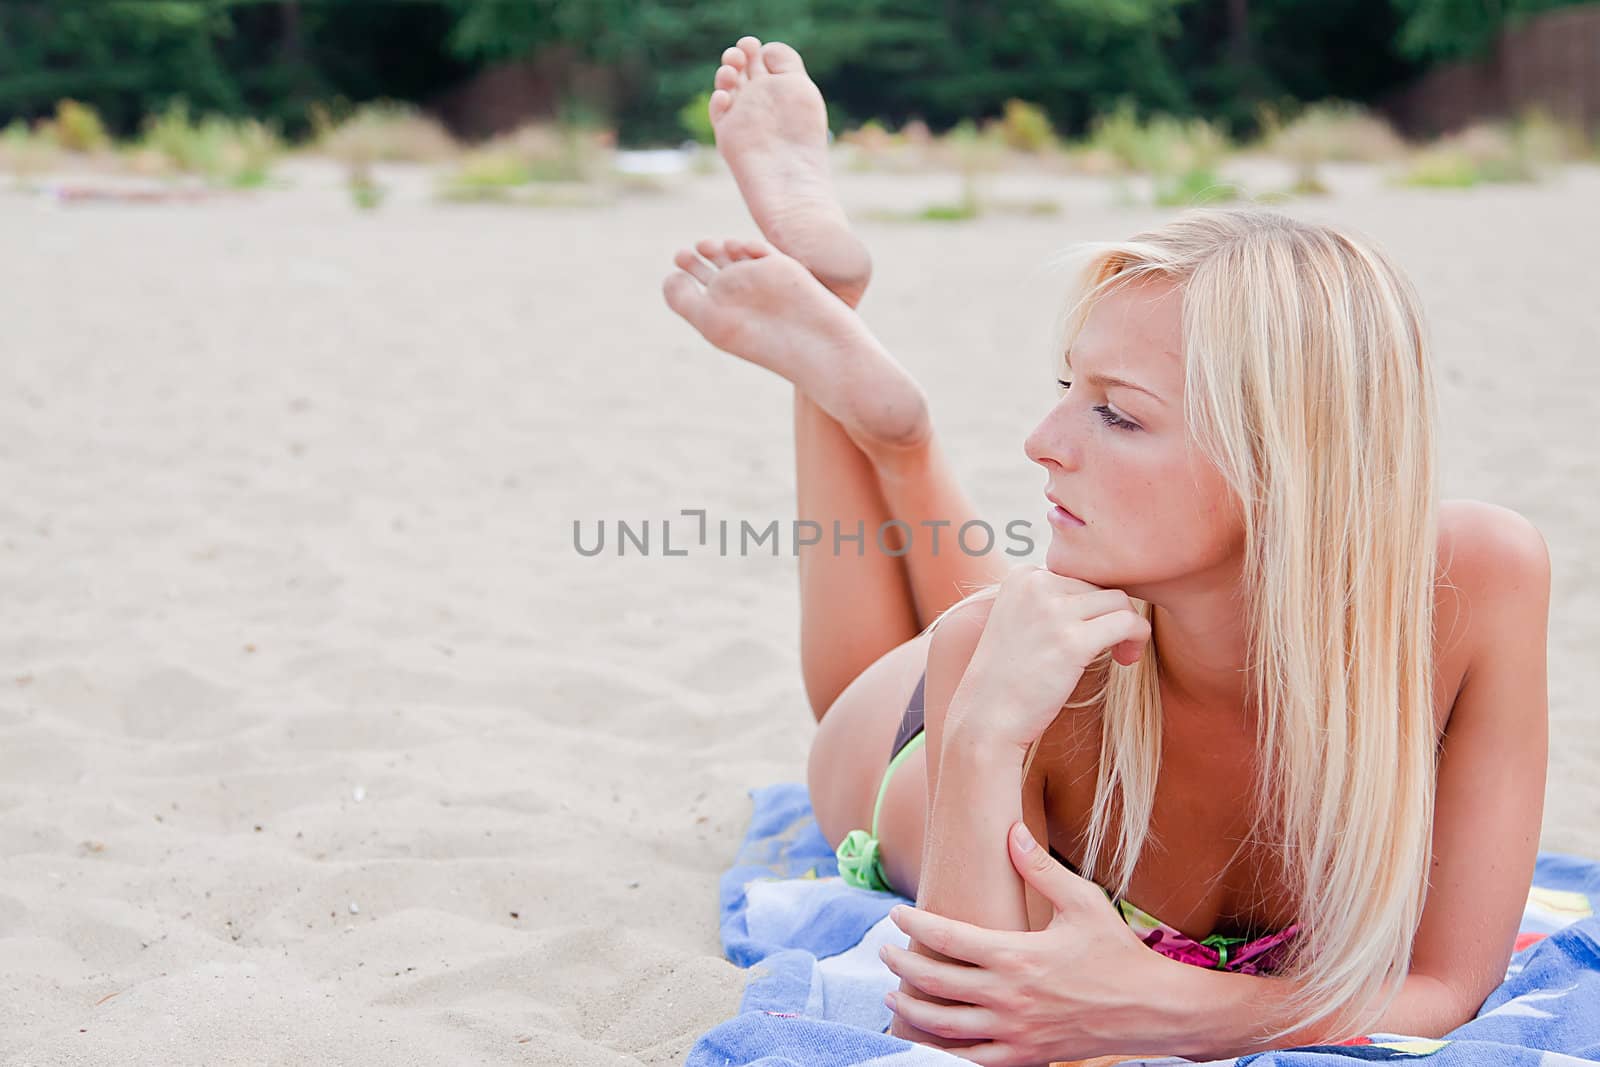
{"x": 752, "y": 54}
{"x": 692, "y": 264}
{"x": 721, "y": 101}
{"x": 684, "y": 296}
{"x": 733, "y": 56}
{"x": 718, "y": 252}
{"x": 727, "y": 77}
{"x": 781, "y": 59}
{"x": 748, "y": 249}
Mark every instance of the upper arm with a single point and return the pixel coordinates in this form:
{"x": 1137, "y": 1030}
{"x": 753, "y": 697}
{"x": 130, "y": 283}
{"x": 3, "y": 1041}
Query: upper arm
{"x": 1491, "y": 778}
{"x": 949, "y": 652}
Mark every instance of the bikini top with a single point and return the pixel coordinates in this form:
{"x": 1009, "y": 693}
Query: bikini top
{"x": 1244, "y": 955}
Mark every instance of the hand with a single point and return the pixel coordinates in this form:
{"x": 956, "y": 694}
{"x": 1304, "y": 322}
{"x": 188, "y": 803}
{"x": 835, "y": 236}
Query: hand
{"x": 1042, "y": 632}
{"x": 1079, "y": 988}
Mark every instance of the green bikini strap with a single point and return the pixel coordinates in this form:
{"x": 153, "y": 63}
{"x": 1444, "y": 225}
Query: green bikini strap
{"x": 888, "y": 773}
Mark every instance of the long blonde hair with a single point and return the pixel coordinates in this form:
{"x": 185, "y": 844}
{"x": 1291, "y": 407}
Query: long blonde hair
{"x": 1307, "y": 384}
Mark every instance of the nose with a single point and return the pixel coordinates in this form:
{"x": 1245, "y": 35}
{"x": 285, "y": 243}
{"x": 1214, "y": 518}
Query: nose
{"x": 1047, "y": 444}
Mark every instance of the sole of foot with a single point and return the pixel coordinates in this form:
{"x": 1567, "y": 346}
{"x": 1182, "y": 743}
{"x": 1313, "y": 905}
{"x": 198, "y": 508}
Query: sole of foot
{"x": 749, "y": 299}
{"x": 771, "y": 127}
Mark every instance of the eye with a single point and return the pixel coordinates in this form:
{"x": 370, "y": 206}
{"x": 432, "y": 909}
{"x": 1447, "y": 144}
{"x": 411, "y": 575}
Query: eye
{"x": 1112, "y": 419}
{"x": 1106, "y": 414}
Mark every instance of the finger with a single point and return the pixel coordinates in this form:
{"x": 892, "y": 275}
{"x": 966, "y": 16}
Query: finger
{"x": 1128, "y": 652}
{"x": 943, "y": 1020}
{"x": 715, "y": 251}
{"x": 940, "y": 978}
{"x": 954, "y": 938}
{"x": 1094, "y": 636}
{"x": 692, "y": 264}
{"x": 1100, "y": 602}
{"x": 1041, "y": 870}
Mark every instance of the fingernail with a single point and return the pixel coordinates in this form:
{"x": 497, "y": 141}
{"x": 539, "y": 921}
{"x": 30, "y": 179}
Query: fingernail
{"x": 1025, "y": 842}
{"x": 888, "y": 1001}
{"x": 895, "y": 913}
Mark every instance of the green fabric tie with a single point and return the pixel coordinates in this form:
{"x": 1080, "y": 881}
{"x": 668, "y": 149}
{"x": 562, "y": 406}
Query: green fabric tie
{"x": 858, "y": 861}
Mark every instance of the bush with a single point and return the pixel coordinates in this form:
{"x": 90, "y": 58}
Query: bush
{"x": 382, "y": 132}
{"x": 533, "y": 153}
{"x": 1120, "y": 136}
{"x": 1026, "y": 127}
{"x": 236, "y": 152}
{"x": 1165, "y": 146}
{"x": 1332, "y": 132}
{"x": 1194, "y": 187}
{"x": 1482, "y": 153}
{"x": 25, "y": 152}
{"x": 77, "y": 128}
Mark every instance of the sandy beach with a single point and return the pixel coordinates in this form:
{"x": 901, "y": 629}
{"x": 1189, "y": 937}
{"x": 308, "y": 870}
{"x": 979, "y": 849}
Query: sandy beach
{"x": 320, "y": 741}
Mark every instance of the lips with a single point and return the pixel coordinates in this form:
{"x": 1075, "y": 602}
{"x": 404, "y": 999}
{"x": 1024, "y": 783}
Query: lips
{"x": 1063, "y": 507}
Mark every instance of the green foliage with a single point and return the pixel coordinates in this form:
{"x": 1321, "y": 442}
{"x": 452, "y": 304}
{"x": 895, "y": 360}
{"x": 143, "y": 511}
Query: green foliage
{"x": 365, "y": 192}
{"x": 570, "y": 154}
{"x": 898, "y": 59}
{"x": 1461, "y": 29}
{"x": 224, "y": 151}
{"x": 961, "y": 212}
{"x": 385, "y": 131}
{"x": 1026, "y": 127}
{"x": 1484, "y": 153}
{"x": 1164, "y": 146}
{"x": 25, "y": 152}
{"x": 695, "y": 117}
{"x": 77, "y": 128}
{"x": 1193, "y": 187}
{"x": 1330, "y": 131}
{"x": 268, "y": 59}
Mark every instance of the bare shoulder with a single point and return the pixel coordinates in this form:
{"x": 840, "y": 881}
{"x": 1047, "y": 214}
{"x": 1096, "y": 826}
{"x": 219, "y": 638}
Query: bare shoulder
{"x": 954, "y": 638}
{"x": 1497, "y": 565}
{"x": 1489, "y": 551}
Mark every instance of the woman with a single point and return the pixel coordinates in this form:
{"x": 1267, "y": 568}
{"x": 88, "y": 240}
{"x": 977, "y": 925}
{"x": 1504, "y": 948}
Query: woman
{"x": 1266, "y": 684}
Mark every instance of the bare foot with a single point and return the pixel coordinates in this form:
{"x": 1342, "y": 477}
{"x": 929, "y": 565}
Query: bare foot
{"x": 747, "y": 298}
{"x": 772, "y": 128}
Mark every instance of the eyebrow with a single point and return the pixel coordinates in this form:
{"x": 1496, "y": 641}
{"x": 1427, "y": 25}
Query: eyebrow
{"x": 1111, "y": 379}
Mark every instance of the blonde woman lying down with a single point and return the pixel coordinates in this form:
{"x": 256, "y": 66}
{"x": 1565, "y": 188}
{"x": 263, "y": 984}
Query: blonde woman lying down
{"x": 1266, "y": 685}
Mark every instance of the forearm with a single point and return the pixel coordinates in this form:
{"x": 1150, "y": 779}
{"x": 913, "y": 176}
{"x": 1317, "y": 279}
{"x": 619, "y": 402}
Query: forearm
{"x": 1208, "y": 1014}
{"x": 966, "y": 867}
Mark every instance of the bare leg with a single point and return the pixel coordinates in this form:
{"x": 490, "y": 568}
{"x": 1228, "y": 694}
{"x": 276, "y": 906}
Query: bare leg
{"x": 771, "y": 128}
{"x": 853, "y": 608}
{"x": 865, "y": 453}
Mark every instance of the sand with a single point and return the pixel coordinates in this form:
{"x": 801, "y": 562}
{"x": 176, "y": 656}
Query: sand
{"x": 319, "y": 742}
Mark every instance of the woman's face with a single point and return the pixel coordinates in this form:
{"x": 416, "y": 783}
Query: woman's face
{"x": 1154, "y": 510}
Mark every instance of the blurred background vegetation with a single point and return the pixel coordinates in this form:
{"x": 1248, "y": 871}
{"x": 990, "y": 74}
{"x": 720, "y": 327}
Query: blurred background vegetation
{"x": 640, "y": 66}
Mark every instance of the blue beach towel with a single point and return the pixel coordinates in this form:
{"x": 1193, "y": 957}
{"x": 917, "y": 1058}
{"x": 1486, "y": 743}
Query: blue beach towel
{"x": 815, "y": 994}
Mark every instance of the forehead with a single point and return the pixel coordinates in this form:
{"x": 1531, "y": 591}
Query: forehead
{"x": 1135, "y": 331}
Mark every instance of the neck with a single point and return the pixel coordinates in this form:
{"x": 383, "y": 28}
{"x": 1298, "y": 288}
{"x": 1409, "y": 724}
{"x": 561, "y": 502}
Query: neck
{"x": 1201, "y": 642}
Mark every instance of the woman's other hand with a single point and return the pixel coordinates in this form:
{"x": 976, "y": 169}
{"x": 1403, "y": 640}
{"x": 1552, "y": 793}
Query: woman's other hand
{"x": 1073, "y": 990}
{"x": 1042, "y": 632}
